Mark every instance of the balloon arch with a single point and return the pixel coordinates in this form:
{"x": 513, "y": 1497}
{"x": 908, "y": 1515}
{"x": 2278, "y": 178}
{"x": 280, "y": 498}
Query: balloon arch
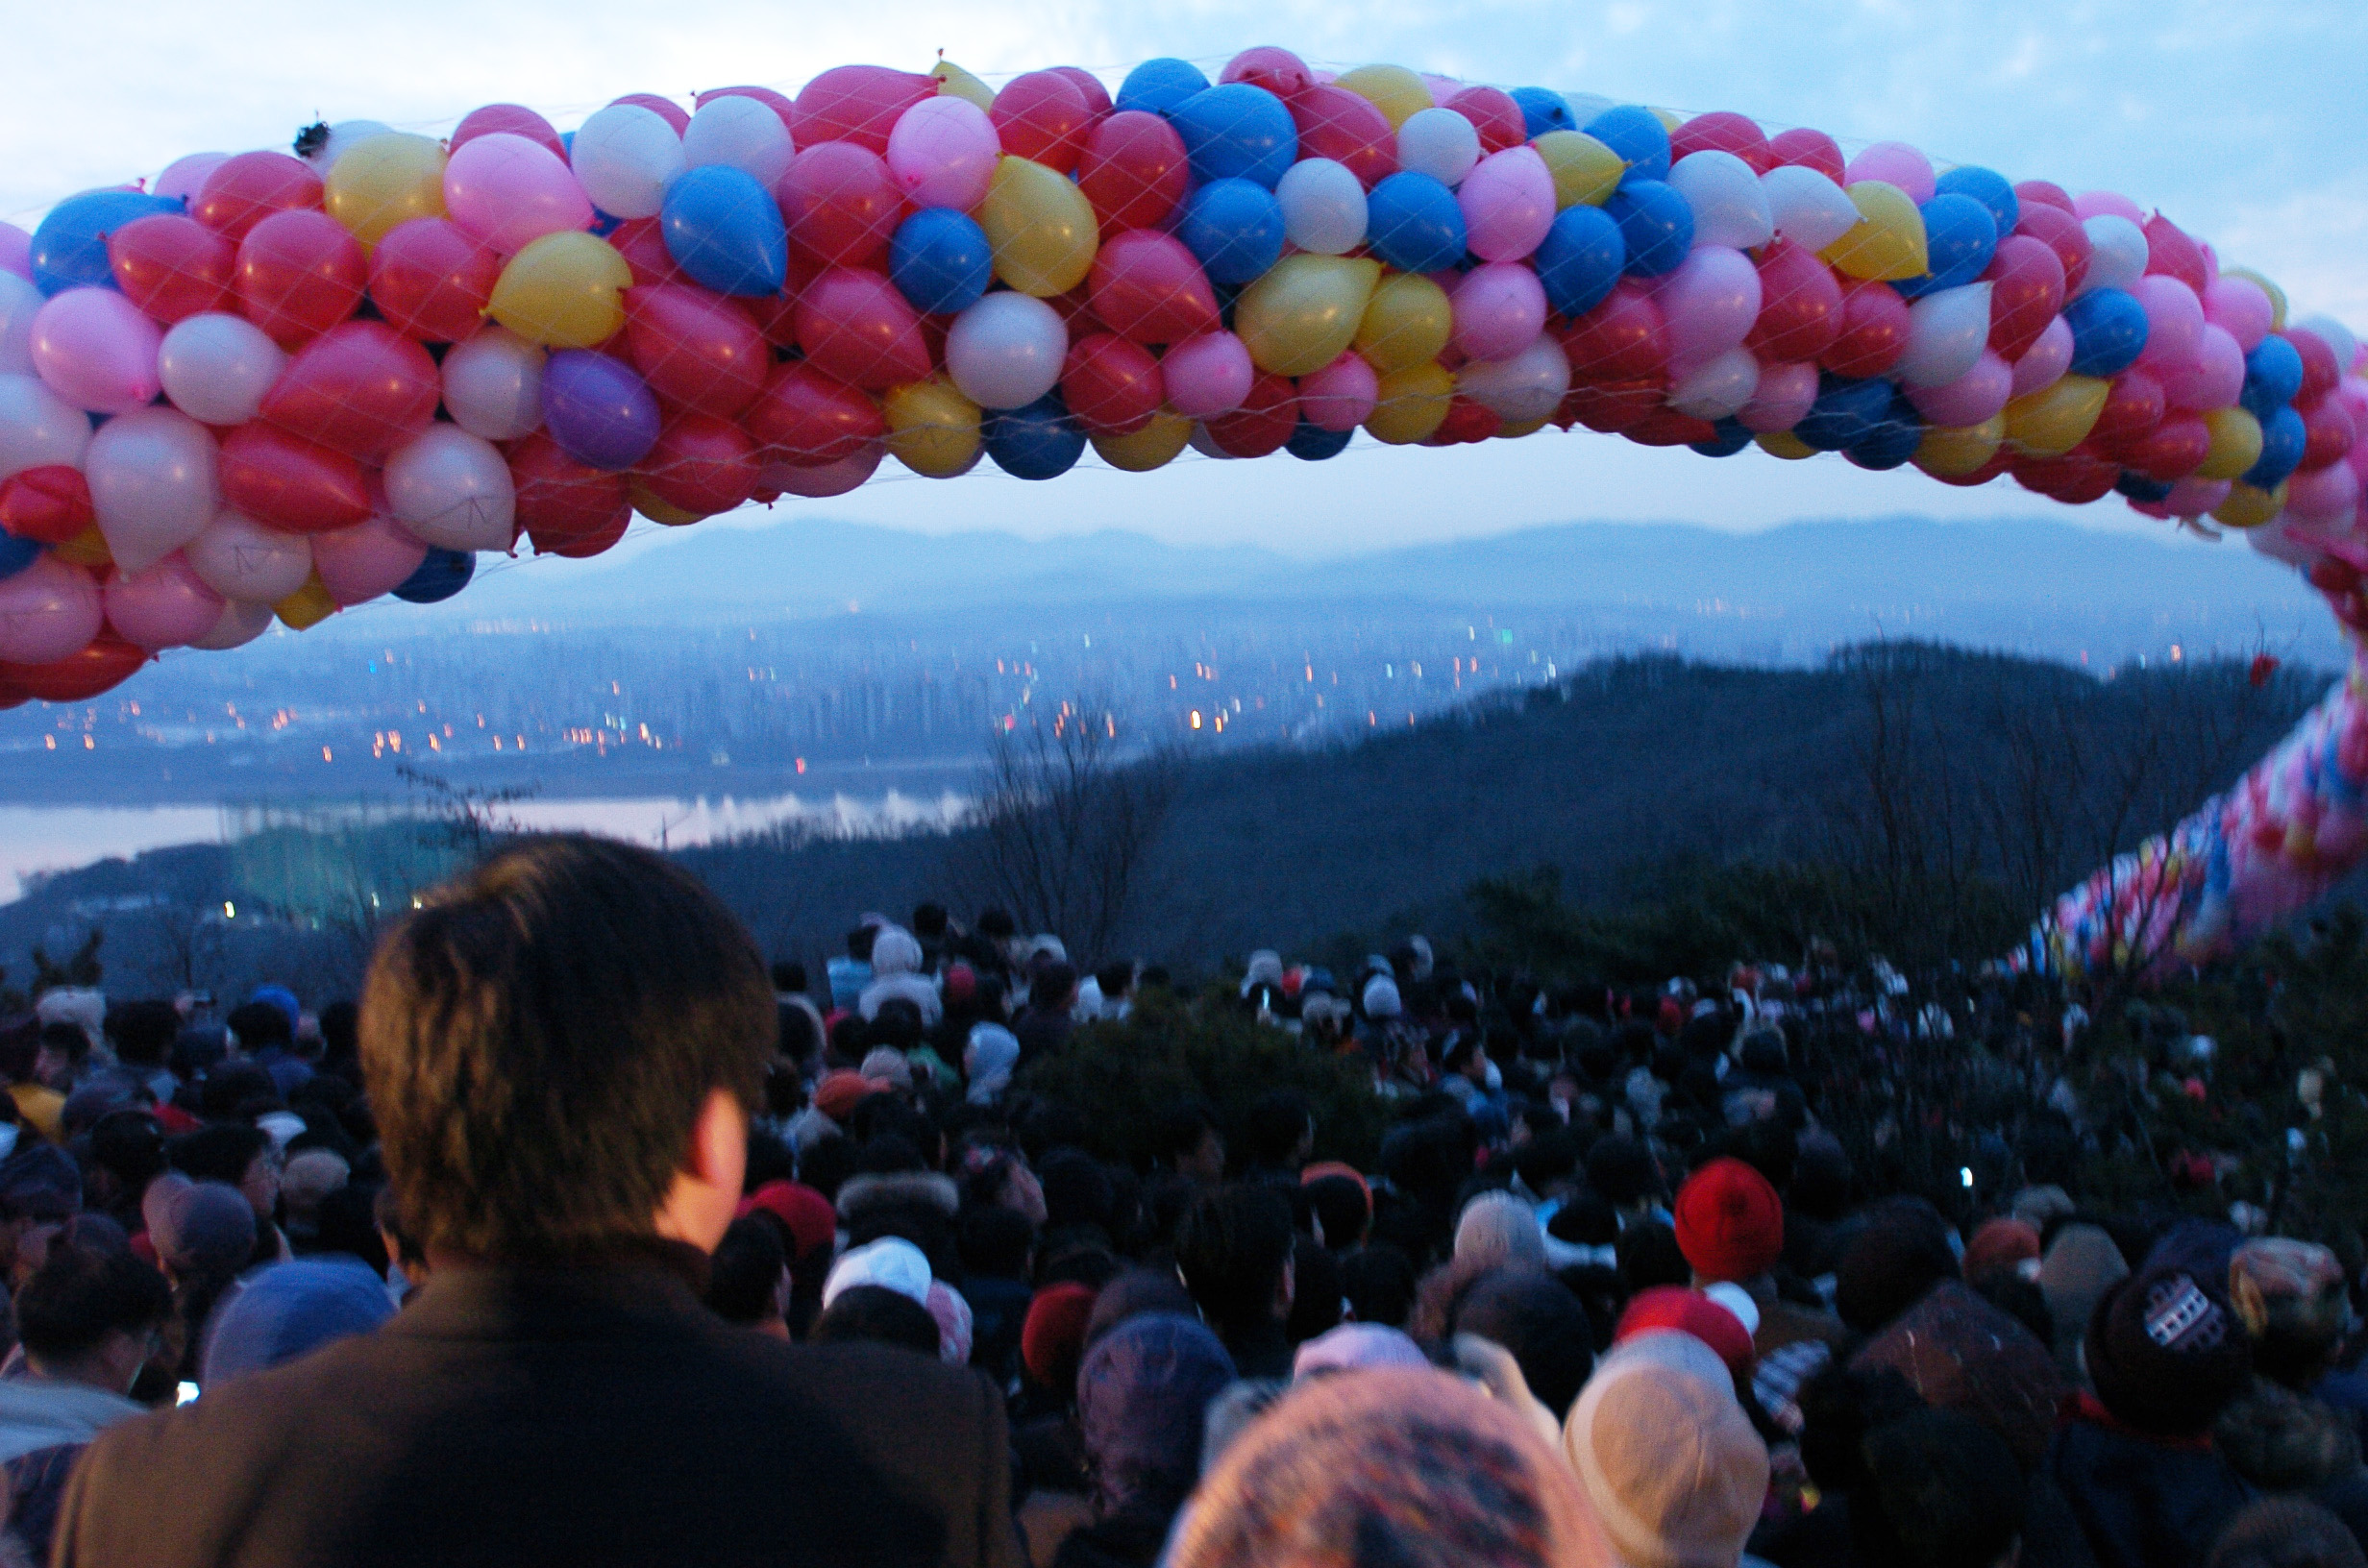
{"x": 271, "y": 385}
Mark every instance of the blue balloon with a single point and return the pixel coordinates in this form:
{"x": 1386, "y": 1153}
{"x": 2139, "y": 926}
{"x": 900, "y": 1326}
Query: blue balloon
{"x": 1987, "y": 187}
{"x": 1846, "y": 413}
{"x": 1237, "y": 132}
{"x": 2138, "y": 486}
{"x": 1158, "y": 85}
{"x": 1313, "y": 443}
{"x": 443, "y": 573}
{"x": 604, "y": 223}
{"x": 2109, "y": 331}
{"x": 15, "y": 554}
{"x": 723, "y": 229}
{"x": 2273, "y": 377}
{"x": 1037, "y": 442}
{"x": 1731, "y": 439}
{"x": 1580, "y": 259}
{"x": 1234, "y": 227}
{"x": 69, "y": 248}
{"x": 1960, "y": 238}
{"x": 2283, "y": 440}
{"x": 1656, "y": 225}
{"x": 1413, "y": 222}
{"x": 940, "y": 260}
{"x": 1637, "y": 136}
{"x": 1543, "y": 109}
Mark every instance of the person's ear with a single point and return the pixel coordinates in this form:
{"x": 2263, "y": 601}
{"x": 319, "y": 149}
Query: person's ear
{"x": 706, "y": 1188}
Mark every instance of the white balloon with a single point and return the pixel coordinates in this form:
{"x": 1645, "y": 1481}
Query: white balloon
{"x": 1947, "y": 330}
{"x": 743, "y": 132}
{"x": 1586, "y": 106}
{"x": 2117, "y": 253}
{"x": 1324, "y": 206}
{"x": 37, "y": 427}
{"x": 1729, "y": 207}
{"x": 493, "y": 384}
{"x": 1005, "y": 352}
{"x": 342, "y": 136}
{"x": 1528, "y": 386}
{"x": 1205, "y": 444}
{"x": 153, "y": 484}
{"x": 248, "y": 563}
{"x": 828, "y": 479}
{"x": 217, "y": 368}
{"x": 1807, "y": 208}
{"x": 1720, "y": 387}
{"x": 624, "y": 156}
{"x": 451, "y": 488}
{"x": 1438, "y": 142}
{"x": 2274, "y": 542}
{"x": 19, "y": 301}
{"x": 2327, "y": 328}
{"x": 240, "y": 625}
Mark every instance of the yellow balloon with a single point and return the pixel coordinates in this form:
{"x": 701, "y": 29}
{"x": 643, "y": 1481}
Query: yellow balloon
{"x": 307, "y": 607}
{"x": 953, "y": 78}
{"x": 1887, "y": 241}
{"x": 1586, "y": 172}
{"x": 1406, "y": 324}
{"x": 1040, "y": 225}
{"x": 933, "y": 427}
{"x": 2277, "y": 295}
{"x": 1394, "y": 89}
{"x": 1783, "y": 444}
{"x": 563, "y": 291}
{"x": 1304, "y": 313}
{"x": 87, "y": 547}
{"x": 1413, "y": 404}
{"x": 1526, "y": 426}
{"x": 649, "y": 505}
{"x": 385, "y": 180}
{"x": 1154, "y": 446}
{"x": 1670, "y": 119}
{"x": 2235, "y": 444}
{"x": 2049, "y": 422}
{"x": 1953, "y": 450}
{"x": 2249, "y": 505}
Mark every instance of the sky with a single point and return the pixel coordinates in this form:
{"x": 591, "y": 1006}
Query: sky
{"x": 2244, "y": 123}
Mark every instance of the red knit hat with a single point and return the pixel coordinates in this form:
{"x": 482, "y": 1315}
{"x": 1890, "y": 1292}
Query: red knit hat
{"x": 839, "y": 1093}
{"x": 1053, "y": 1340}
{"x": 1687, "y": 1312}
{"x": 806, "y": 1214}
{"x": 1729, "y": 1222}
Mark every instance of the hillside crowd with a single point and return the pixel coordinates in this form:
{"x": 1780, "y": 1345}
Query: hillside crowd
{"x": 583, "y": 1236}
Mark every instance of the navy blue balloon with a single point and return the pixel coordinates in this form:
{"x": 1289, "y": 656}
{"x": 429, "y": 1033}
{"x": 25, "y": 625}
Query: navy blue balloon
{"x": 443, "y": 573}
{"x": 1890, "y": 441}
{"x": 1637, "y": 136}
{"x": 15, "y": 554}
{"x": 1158, "y": 85}
{"x": 1037, "y": 442}
{"x": 940, "y": 260}
{"x": 1731, "y": 439}
{"x": 2273, "y": 377}
{"x": 1656, "y": 225}
{"x": 69, "y": 248}
{"x": 1960, "y": 238}
{"x": 604, "y": 223}
{"x": 725, "y": 231}
{"x": 1846, "y": 413}
{"x": 1543, "y": 109}
{"x": 2283, "y": 440}
{"x": 2138, "y": 486}
{"x": 1237, "y": 132}
{"x": 1234, "y": 229}
{"x": 1313, "y": 443}
{"x": 1580, "y": 259}
{"x": 1987, "y": 187}
{"x": 2109, "y": 331}
{"x": 1413, "y": 222}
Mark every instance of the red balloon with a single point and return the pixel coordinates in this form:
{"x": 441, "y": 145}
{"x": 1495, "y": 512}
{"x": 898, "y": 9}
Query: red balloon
{"x": 2076, "y": 477}
{"x": 2320, "y": 374}
{"x": 2133, "y": 404}
{"x": 1801, "y": 304}
{"x": 360, "y": 388}
{"x": 858, "y": 104}
{"x": 665, "y": 108}
{"x": 1336, "y": 124}
{"x": 49, "y": 504}
{"x": 106, "y": 663}
{"x": 1096, "y": 96}
{"x": 1803, "y": 149}
{"x": 1982, "y": 475}
{"x": 642, "y": 242}
{"x": 1263, "y": 422}
{"x": 1043, "y": 116}
{"x": 172, "y": 267}
{"x": 697, "y": 350}
{"x": 1874, "y": 330}
{"x": 1668, "y": 427}
{"x": 1466, "y": 423}
{"x": 299, "y": 275}
{"x": 2062, "y": 233}
{"x": 854, "y": 325}
{"x": 1147, "y": 288}
{"x": 12, "y": 695}
{"x": 2045, "y": 193}
{"x": 1279, "y": 71}
{"x": 2171, "y": 450}
{"x": 1492, "y": 114}
{"x": 1726, "y": 132}
{"x": 285, "y": 482}
{"x": 1134, "y": 171}
{"x": 1622, "y": 339}
{"x": 511, "y": 119}
{"x": 431, "y": 281}
{"x": 806, "y": 419}
{"x": 842, "y": 205}
{"x": 244, "y": 190}
{"x": 1608, "y": 408}
{"x": 2329, "y": 432}
{"x": 702, "y": 464}
{"x": 1113, "y": 386}
{"x": 2026, "y": 279}
{"x": 779, "y": 102}
{"x": 2171, "y": 254}
{"x": 564, "y": 506}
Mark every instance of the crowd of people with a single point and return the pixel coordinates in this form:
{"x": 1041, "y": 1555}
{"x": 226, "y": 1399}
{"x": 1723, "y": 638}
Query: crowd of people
{"x": 586, "y": 1235}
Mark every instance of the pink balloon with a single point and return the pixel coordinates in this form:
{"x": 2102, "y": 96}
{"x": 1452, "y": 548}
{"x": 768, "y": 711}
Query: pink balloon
{"x": 2174, "y": 320}
{"x": 1971, "y": 397}
{"x": 1507, "y": 202}
{"x": 1894, "y": 163}
{"x": 164, "y": 606}
{"x": 943, "y": 153}
{"x": 2100, "y": 203}
{"x": 97, "y": 351}
{"x": 1710, "y": 303}
{"x": 2324, "y": 497}
{"x": 1207, "y": 375}
{"x": 183, "y": 176}
{"x": 1499, "y": 309}
{"x": 1342, "y": 396}
{"x": 820, "y": 483}
{"x": 2192, "y": 497}
{"x": 366, "y": 560}
{"x": 1782, "y": 399}
{"x": 2043, "y": 363}
{"x": 47, "y": 611}
{"x": 2211, "y": 380}
{"x": 2238, "y": 307}
{"x": 504, "y": 190}
{"x": 16, "y": 251}
{"x": 1443, "y": 87}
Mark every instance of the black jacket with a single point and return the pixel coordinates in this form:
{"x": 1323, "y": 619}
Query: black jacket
{"x": 562, "y": 1417}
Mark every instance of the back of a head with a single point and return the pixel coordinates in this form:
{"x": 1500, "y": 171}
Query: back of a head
{"x": 541, "y": 1038}
{"x": 1497, "y": 1228}
{"x": 2286, "y": 1533}
{"x": 200, "y": 1230}
{"x": 144, "y": 1031}
{"x": 2166, "y": 1352}
{"x": 260, "y": 1026}
{"x": 83, "y": 1293}
{"x": 1665, "y": 1455}
{"x": 220, "y": 1153}
{"x": 1544, "y": 1327}
{"x": 744, "y": 1277}
{"x": 1342, "y": 1205}
{"x": 1143, "y": 1397}
{"x": 290, "y": 1310}
{"x": 1940, "y": 1491}
{"x": 875, "y": 1314}
{"x": 1887, "y": 1267}
{"x": 1232, "y": 1250}
{"x": 1274, "y": 1125}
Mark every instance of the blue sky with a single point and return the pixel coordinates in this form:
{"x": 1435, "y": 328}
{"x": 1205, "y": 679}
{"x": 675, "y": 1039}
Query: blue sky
{"x": 2244, "y": 123}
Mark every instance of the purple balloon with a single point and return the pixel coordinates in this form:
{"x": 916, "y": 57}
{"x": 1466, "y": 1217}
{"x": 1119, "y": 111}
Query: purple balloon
{"x": 597, "y": 409}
